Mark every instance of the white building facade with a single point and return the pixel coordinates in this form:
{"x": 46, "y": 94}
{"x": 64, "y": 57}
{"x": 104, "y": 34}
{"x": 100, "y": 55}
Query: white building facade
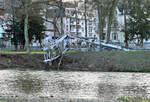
{"x": 74, "y": 22}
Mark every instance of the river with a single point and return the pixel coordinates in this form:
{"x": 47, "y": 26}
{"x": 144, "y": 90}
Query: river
{"x": 53, "y": 85}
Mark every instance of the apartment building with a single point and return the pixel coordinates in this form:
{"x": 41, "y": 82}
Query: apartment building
{"x": 73, "y": 21}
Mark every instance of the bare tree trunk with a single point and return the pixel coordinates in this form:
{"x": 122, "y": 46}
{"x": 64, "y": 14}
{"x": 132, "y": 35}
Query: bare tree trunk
{"x": 54, "y": 23}
{"x": 61, "y": 18}
{"x": 62, "y": 28}
{"x": 13, "y": 21}
{"x": 56, "y": 27}
{"x": 125, "y": 30}
{"x": 142, "y": 43}
{"x": 110, "y": 18}
{"x": 100, "y": 24}
{"x": 26, "y": 28}
{"x": 85, "y": 17}
{"x": 109, "y": 28}
{"x": 76, "y": 17}
{"x": 125, "y": 23}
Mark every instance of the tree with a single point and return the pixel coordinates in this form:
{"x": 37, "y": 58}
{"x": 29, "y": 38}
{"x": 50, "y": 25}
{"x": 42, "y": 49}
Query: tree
{"x": 23, "y": 10}
{"x": 124, "y": 8}
{"x": 25, "y": 7}
{"x": 17, "y": 37}
{"x": 35, "y": 29}
{"x": 139, "y": 22}
{"x": 62, "y": 10}
{"x": 111, "y": 12}
{"x": 106, "y": 13}
{"x": 85, "y": 16}
{"x": 100, "y": 6}
{"x": 55, "y": 15}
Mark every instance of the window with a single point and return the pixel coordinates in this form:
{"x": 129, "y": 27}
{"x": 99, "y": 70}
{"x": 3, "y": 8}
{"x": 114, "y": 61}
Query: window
{"x": 67, "y": 28}
{"x": 90, "y": 23}
{"x": 71, "y": 20}
{"x": 103, "y": 36}
{"x": 72, "y": 29}
{"x": 78, "y": 21}
{"x": 72, "y": 13}
{"x": 90, "y": 30}
{"x": 67, "y": 21}
{"x": 82, "y": 29}
{"x": 82, "y": 23}
{"x": 115, "y": 37}
{"x": 90, "y": 34}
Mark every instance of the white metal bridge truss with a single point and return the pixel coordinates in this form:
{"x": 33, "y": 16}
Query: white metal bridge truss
{"x": 56, "y": 48}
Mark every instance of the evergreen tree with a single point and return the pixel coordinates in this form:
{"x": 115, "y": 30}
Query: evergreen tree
{"x": 36, "y": 29}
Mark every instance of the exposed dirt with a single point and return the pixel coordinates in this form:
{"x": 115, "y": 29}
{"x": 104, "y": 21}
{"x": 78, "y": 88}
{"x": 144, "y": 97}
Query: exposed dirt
{"x": 23, "y": 61}
{"x": 108, "y": 61}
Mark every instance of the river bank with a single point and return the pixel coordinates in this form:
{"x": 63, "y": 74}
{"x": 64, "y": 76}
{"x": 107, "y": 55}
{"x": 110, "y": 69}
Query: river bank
{"x": 120, "y": 61}
{"x": 129, "y": 61}
{"x": 21, "y": 61}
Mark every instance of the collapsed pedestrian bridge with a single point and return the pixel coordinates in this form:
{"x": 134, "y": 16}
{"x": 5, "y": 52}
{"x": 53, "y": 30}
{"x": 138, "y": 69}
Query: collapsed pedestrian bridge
{"x": 56, "y": 48}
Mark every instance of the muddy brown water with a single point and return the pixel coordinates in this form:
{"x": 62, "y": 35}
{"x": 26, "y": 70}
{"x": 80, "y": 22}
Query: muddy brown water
{"x": 75, "y": 86}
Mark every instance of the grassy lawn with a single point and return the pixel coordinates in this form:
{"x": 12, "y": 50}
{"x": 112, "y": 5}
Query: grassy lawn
{"x": 2, "y": 101}
{"x": 21, "y": 52}
{"x": 32, "y": 52}
{"x": 130, "y": 99}
{"x": 134, "y": 70}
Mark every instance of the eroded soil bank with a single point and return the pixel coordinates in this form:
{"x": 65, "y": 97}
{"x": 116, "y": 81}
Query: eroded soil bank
{"x": 22, "y": 61}
{"x": 79, "y": 61}
{"x": 134, "y": 61}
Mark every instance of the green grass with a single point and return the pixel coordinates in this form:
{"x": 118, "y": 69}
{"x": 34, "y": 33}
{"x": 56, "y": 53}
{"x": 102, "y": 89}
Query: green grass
{"x": 2, "y": 101}
{"x": 135, "y": 70}
{"x": 130, "y": 99}
{"x": 31, "y": 52}
{"x": 21, "y": 52}
{"x": 72, "y": 51}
